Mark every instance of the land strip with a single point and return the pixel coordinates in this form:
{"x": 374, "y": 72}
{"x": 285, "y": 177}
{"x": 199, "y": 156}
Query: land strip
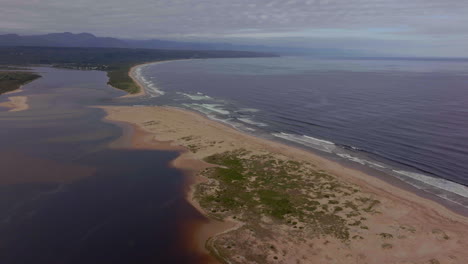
{"x": 291, "y": 206}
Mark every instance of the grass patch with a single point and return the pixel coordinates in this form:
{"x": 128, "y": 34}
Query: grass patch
{"x": 10, "y": 81}
{"x": 119, "y": 78}
{"x": 277, "y": 204}
{"x": 292, "y": 193}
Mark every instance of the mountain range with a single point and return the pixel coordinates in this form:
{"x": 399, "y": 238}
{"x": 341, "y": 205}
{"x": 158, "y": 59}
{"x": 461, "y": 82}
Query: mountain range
{"x": 87, "y": 40}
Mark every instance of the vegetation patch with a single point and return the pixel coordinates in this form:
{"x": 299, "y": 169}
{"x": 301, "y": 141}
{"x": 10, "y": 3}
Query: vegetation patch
{"x": 12, "y": 80}
{"x": 262, "y": 190}
{"x": 119, "y": 78}
{"x": 386, "y": 235}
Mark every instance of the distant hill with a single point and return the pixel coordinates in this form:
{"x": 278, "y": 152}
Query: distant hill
{"x": 87, "y": 40}
{"x": 115, "y": 61}
{"x": 61, "y": 40}
{"x": 107, "y": 56}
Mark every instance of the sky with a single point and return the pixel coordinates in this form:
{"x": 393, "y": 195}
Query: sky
{"x": 387, "y": 27}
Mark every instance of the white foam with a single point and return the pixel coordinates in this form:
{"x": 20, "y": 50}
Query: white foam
{"x": 252, "y": 110}
{"x": 252, "y": 122}
{"x": 351, "y": 158}
{"x": 436, "y": 182}
{"x": 409, "y": 177}
{"x": 197, "y": 108}
{"x": 150, "y": 87}
{"x": 319, "y": 140}
{"x": 197, "y": 97}
{"x": 212, "y": 108}
{"x": 152, "y": 90}
{"x": 229, "y": 122}
{"x": 361, "y": 161}
{"x": 309, "y": 141}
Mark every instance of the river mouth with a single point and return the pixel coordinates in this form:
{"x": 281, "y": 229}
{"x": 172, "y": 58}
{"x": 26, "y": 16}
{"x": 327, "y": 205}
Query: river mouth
{"x": 66, "y": 197}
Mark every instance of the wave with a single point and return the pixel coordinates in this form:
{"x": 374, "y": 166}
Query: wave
{"x": 251, "y": 110}
{"x": 439, "y": 183}
{"x": 329, "y": 147}
{"x": 350, "y": 147}
{"x": 251, "y": 122}
{"x": 150, "y": 87}
{"x": 229, "y": 122}
{"x": 406, "y": 176}
{"x": 208, "y": 108}
{"x": 309, "y": 141}
{"x": 196, "y": 97}
{"x": 361, "y": 161}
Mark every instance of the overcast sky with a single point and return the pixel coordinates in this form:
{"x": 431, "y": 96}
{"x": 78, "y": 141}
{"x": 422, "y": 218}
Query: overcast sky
{"x": 406, "y": 27}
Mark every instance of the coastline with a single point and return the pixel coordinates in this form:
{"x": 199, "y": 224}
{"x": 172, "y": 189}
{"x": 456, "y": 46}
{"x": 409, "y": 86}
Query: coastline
{"x": 133, "y": 76}
{"x": 17, "y": 103}
{"x": 167, "y": 128}
{"x": 169, "y": 125}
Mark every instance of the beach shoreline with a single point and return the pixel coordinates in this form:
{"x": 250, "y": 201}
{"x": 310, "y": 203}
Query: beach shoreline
{"x": 398, "y": 183}
{"x": 150, "y": 136}
{"x": 132, "y": 75}
{"x": 168, "y": 128}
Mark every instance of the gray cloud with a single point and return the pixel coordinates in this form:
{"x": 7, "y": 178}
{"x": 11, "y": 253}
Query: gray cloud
{"x": 439, "y": 26}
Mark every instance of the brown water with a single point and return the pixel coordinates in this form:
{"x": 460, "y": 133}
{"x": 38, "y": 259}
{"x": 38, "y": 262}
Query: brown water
{"x": 65, "y": 197}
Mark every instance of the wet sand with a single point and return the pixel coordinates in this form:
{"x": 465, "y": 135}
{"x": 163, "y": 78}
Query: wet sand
{"x": 16, "y": 103}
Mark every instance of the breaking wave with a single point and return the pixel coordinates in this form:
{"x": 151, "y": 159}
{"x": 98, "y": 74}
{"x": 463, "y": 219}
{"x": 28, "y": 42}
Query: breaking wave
{"x": 197, "y": 97}
{"x": 150, "y": 87}
{"x": 309, "y": 141}
{"x": 251, "y": 122}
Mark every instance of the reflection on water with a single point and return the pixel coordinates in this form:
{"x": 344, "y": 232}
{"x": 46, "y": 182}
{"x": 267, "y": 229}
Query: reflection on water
{"x": 66, "y": 198}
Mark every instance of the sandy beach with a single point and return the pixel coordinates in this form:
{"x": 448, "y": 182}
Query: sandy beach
{"x": 132, "y": 74}
{"x": 372, "y": 220}
{"x": 404, "y": 228}
{"x": 142, "y": 90}
{"x": 16, "y": 103}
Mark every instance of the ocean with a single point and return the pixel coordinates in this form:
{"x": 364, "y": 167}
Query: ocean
{"x": 401, "y": 118}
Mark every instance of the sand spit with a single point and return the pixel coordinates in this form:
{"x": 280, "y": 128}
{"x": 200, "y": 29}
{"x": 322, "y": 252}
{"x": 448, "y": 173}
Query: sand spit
{"x": 132, "y": 74}
{"x": 16, "y": 103}
{"x": 334, "y": 214}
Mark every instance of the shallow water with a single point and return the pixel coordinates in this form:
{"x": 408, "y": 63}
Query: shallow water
{"x": 406, "y": 118}
{"x": 65, "y": 197}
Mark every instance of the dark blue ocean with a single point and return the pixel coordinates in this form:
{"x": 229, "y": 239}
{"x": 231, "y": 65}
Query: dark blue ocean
{"x": 405, "y": 118}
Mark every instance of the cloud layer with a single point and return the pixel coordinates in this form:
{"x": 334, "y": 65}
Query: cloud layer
{"x": 425, "y": 26}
